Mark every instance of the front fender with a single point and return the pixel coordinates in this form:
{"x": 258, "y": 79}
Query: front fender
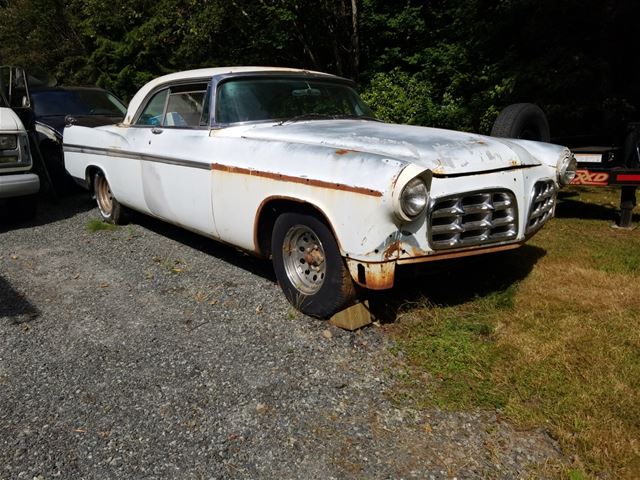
{"x": 353, "y": 190}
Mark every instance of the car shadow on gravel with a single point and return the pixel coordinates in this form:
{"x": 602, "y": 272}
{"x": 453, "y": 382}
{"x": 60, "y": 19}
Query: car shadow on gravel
{"x": 50, "y": 209}
{"x": 208, "y": 246}
{"x": 14, "y": 306}
{"x": 452, "y": 282}
{"x": 446, "y": 282}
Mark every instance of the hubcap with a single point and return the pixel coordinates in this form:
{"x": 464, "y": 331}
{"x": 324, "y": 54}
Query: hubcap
{"x": 104, "y": 197}
{"x": 304, "y": 259}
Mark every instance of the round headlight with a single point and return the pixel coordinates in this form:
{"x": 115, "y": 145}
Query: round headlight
{"x": 567, "y": 169}
{"x": 414, "y": 197}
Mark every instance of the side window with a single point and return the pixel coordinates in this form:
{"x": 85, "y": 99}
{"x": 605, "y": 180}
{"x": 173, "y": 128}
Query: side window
{"x": 179, "y": 106}
{"x": 184, "y": 109}
{"x": 152, "y": 113}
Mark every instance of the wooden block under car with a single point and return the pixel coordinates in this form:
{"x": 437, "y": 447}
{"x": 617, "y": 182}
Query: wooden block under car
{"x": 352, "y": 318}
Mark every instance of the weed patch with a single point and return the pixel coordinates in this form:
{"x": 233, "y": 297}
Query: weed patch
{"x": 559, "y": 348}
{"x": 95, "y": 225}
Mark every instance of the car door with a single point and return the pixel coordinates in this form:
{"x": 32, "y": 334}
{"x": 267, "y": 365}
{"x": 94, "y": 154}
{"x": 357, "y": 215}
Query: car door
{"x": 172, "y": 135}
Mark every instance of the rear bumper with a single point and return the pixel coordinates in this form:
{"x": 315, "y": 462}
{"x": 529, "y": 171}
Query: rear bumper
{"x": 19, "y": 185}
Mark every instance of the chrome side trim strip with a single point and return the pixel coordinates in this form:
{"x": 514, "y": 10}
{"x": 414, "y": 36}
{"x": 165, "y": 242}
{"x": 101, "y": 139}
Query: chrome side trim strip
{"x": 111, "y": 152}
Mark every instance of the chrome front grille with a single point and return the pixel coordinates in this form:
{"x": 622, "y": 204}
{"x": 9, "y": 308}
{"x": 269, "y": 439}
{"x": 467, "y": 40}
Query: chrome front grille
{"x": 542, "y": 205}
{"x": 470, "y": 219}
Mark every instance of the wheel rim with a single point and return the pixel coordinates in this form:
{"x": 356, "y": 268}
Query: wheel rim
{"x": 104, "y": 196}
{"x": 304, "y": 259}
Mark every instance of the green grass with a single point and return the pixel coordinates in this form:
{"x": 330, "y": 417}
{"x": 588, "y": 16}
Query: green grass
{"x": 549, "y": 335}
{"x": 95, "y": 225}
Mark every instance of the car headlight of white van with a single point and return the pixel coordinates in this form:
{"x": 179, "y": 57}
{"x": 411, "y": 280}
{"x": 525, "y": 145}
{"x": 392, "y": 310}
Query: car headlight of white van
{"x": 8, "y": 142}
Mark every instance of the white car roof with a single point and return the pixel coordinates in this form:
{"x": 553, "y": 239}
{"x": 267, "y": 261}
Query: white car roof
{"x": 139, "y": 97}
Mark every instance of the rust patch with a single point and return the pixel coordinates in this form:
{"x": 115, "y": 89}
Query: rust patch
{"x": 289, "y": 178}
{"x": 411, "y": 251}
{"x": 314, "y": 257}
{"x": 392, "y": 251}
{"x": 256, "y": 221}
{"x": 256, "y": 233}
{"x": 377, "y": 275}
{"x": 342, "y": 151}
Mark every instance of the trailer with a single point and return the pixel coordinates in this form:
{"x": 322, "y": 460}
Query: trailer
{"x": 613, "y": 167}
{"x": 597, "y": 166}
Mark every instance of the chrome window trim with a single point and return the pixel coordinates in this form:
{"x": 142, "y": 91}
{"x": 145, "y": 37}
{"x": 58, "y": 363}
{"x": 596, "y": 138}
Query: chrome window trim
{"x": 163, "y": 86}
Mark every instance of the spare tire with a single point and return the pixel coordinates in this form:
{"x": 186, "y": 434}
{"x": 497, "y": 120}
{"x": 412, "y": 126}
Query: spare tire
{"x": 522, "y": 120}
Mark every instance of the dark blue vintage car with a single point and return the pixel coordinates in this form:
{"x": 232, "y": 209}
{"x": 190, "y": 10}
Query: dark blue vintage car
{"x": 53, "y": 107}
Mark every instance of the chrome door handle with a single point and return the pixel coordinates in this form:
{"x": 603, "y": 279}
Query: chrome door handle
{"x": 156, "y": 130}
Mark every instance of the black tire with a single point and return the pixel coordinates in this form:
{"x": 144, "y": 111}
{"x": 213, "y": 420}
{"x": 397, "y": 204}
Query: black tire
{"x": 295, "y": 266}
{"x": 522, "y": 120}
{"x": 110, "y": 209}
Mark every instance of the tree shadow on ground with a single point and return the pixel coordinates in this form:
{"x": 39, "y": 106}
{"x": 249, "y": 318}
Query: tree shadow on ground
{"x": 453, "y": 282}
{"x": 14, "y": 306}
{"x": 49, "y": 210}
{"x": 208, "y": 246}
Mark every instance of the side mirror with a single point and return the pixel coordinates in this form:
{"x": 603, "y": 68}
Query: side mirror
{"x": 25, "y": 102}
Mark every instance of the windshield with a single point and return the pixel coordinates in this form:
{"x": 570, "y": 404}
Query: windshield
{"x": 3, "y": 102}
{"x": 77, "y": 102}
{"x": 247, "y": 100}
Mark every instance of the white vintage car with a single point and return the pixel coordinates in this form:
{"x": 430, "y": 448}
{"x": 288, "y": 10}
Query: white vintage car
{"x": 290, "y": 164}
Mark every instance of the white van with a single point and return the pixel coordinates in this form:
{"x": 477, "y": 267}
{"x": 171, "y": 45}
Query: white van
{"x": 18, "y": 184}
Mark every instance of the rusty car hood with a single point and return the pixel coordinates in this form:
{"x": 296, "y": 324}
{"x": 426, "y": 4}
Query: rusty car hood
{"x": 445, "y": 152}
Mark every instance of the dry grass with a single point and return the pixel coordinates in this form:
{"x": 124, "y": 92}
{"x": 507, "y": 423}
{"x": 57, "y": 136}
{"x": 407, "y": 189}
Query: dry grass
{"x": 556, "y": 346}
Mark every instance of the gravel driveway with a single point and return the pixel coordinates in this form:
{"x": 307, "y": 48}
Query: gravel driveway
{"x": 150, "y": 352}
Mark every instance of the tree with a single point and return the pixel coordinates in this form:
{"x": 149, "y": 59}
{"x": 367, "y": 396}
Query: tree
{"x": 455, "y": 63}
{"x": 38, "y": 34}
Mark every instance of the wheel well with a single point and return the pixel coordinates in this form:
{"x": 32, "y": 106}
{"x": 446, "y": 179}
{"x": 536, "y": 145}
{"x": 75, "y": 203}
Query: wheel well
{"x": 91, "y": 172}
{"x": 269, "y": 212}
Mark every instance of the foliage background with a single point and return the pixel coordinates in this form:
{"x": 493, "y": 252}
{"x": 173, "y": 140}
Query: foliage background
{"x": 449, "y": 63}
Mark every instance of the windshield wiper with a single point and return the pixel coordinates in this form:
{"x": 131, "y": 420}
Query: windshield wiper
{"x": 355, "y": 117}
{"x": 325, "y": 116}
{"x": 307, "y": 116}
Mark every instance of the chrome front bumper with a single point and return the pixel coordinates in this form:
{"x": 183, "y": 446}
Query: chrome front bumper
{"x": 19, "y": 185}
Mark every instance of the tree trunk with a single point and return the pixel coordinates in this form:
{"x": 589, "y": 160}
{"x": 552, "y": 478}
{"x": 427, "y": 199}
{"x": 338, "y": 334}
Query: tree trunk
{"x": 355, "y": 40}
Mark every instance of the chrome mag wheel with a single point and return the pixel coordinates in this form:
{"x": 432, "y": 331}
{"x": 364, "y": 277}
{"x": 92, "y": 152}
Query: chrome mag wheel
{"x": 103, "y": 196}
{"x": 304, "y": 259}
